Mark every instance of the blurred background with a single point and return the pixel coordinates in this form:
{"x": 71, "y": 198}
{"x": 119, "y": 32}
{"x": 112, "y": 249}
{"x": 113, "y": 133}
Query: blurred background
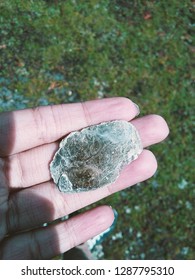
{"x": 69, "y": 51}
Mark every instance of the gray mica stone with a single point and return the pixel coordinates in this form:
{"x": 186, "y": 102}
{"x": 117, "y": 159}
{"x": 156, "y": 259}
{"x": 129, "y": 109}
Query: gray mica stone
{"x": 93, "y": 157}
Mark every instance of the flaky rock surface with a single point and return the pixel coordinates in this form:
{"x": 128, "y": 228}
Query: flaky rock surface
{"x": 93, "y": 157}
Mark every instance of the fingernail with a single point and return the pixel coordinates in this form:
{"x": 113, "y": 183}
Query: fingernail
{"x": 115, "y": 213}
{"x": 138, "y": 110}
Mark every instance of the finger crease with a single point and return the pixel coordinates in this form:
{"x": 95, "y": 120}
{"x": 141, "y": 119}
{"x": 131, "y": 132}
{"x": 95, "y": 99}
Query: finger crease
{"x": 40, "y": 124}
{"x": 71, "y": 233}
{"x": 20, "y": 171}
{"x": 87, "y": 115}
{"x": 55, "y": 120}
{"x": 34, "y": 247}
{"x": 5, "y": 172}
{"x": 12, "y": 215}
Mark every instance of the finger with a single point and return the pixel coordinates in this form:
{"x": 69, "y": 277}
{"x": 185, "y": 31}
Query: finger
{"x": 25, "y": 129}
{"x": 50, "y": 241}
{"x": 32, "y": 167}
{"x": 43, "y": 203}
{"x": 152, "y": 128}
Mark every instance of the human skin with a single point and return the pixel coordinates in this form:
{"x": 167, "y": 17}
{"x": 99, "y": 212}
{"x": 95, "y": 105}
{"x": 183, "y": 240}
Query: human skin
{"x": 29, "y": 198}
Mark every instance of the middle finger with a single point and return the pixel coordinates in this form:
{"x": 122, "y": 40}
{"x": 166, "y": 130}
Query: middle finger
{"x": 32, "y": 167}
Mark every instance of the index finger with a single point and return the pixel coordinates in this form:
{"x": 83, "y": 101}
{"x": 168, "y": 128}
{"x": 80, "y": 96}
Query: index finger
{"x": 25, "y": 129}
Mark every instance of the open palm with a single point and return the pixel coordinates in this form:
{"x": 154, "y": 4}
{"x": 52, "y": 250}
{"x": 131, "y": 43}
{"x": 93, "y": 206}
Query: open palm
{"x": 28, "y": 196}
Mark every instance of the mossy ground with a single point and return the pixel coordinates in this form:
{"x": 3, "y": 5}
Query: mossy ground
{"x": 66, "y": 51}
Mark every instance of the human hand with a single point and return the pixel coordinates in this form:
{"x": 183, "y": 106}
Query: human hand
{"x": 28, "y": 196}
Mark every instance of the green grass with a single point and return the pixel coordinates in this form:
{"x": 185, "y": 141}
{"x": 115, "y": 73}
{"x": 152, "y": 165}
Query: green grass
{"x": 139, "y": 49}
